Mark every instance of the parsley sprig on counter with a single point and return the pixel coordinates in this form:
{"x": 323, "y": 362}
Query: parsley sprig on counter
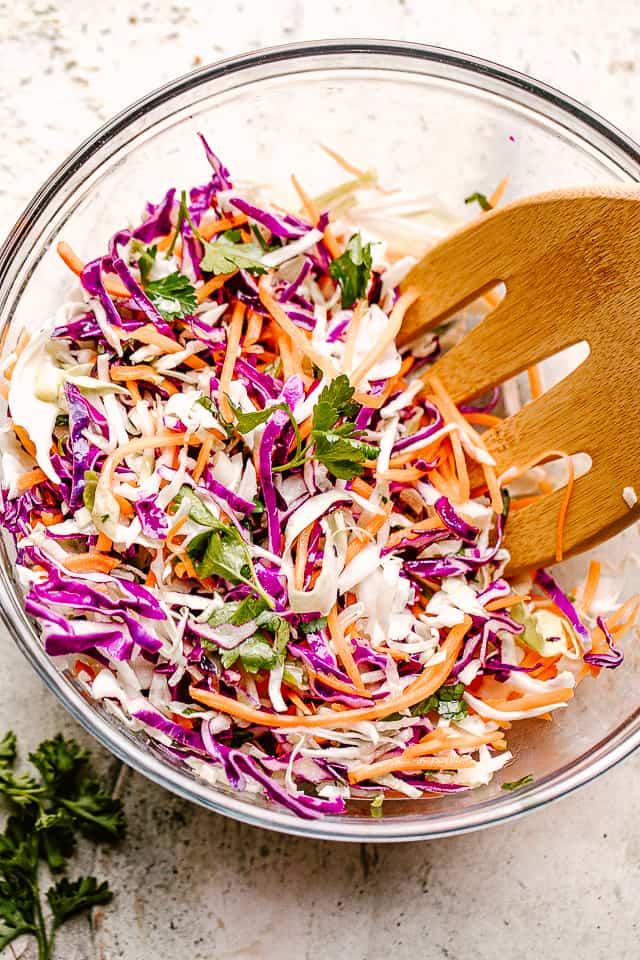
{"x": 48, "y": 814}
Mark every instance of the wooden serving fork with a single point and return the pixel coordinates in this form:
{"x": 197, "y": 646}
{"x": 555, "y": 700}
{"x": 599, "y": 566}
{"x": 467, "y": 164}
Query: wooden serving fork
{"x": 570, "y": 261}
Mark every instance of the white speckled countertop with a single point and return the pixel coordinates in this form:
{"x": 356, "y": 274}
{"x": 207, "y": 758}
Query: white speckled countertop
{"x": 192, "y": 884}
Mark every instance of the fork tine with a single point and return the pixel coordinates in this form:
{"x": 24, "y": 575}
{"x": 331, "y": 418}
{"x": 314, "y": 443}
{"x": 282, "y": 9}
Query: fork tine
{"x": 596, "y": 512}
{"x": 503, "y": 344}
{"x": 455, "y": 272}
{"x": 561, "y": 419}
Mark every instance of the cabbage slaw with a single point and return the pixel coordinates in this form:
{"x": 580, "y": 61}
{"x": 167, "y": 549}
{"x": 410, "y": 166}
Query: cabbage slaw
{"x": 252, "y": 526}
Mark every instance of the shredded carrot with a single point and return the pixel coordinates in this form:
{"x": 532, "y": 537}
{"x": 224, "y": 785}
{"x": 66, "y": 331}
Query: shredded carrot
{"x": 590, "y": 585}
{"x": 302, "y": 546}
{"x": 334, "y": 683}
{"x": 299, "y": 703}
{"x": 314, "y": 215}
{"x": 536, "y": 384}
{"x": 4, "y": 391}
{"x": 530, "y": 701}
{"x": 152, "y": 337}
{"x": 30, "y": 479}
{"x": 150, "y": 579}
{"x": 365, "y": 534}
{"x": 174, "y": 530}
{"x": 505, "y": 603}
{"x": 24, "y": 439}
{"x": 137, "y": 446}
{"x": 121, "y": 373}
{"x": 406, "y": 475}
{"x": 394, "y": 323}
{"x": 430, "y": 680}
{"x": 103, "y": 543}
{"x": 126, "y": 508}
{"x": 214, "y": 227}
{"x": 132, "y": 387}
{"x": 432, "y": 523}
{"x": 340, "y": 160}
{"x": 464, "y": 485}
{"x": 254, "y": 328}
{"x": 90, "y": 563}
{"x": 498, "y": 193}
{"x": 113, "y": 285}
{"x": 436, "y": 741}
{"x": 294, "y": 332}
{"x": 203, "y": 457}
{"x": 483, "y": 419}
{"x": 373, "y": 771}
{"x": 212, "y": 285}
{"x": 514, "y": 472}
{"x": 342, "y": 647}
{"x": 49, "y": 519}
{"x": 233, "y": 347}
{"x": 361, "y": 487}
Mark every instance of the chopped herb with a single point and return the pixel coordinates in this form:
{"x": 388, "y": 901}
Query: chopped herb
{"x": 173, "y": 296}
{"x": 220, "y": 551}
{"x": 257, "y": 232}
{"x": 62, "y": 420}
{"x": 222, "y": 256}
{"x": 480, "y": 199}
{"x": 336, "y": 445}
{"x": 233, "y": 236}
{"x": 260, "y": 652}
{"x": 352, "y": 270}
{"x": 515, "y": 784}
{"x": 246, "y": 422}
{"x": 447, "y": 702}
{"x": 49, "y": 813}
{"x": 313, "y": 626}
{"x": 376, "y": 806}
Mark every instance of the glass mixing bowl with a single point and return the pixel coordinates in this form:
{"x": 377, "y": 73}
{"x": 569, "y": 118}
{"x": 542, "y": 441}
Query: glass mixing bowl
{"x": 426, "y": 119}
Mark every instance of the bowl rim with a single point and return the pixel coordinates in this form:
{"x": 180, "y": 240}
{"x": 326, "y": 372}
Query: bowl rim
{"x": 620, "y": 743}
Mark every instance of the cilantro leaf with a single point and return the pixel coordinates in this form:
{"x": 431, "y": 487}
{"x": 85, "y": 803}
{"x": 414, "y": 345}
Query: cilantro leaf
{"x": 220, "y": 551}
{"x": 234, "y": 235}
{"x": 238, "y": 612}
{"x": 258, "y": 653}
{"x": 198, "y": 511}
{"x": 335, "y": 445}
{"x": 480, "y": 199}
{"x": 352, "y": 270}
{"x": 69, "y": 897}
{"x": 223, "y": 256}
{"x": 333, "y": 403}
{"x": 515, "y": 784}
{"x": 246, "y": 422}
{"x": 313, "y": 626}
{"x": 173, "y": 296}
{"x": 447, "y": 702}
{"x": 225, "y": 556}
{"x": 342, "y": 457}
